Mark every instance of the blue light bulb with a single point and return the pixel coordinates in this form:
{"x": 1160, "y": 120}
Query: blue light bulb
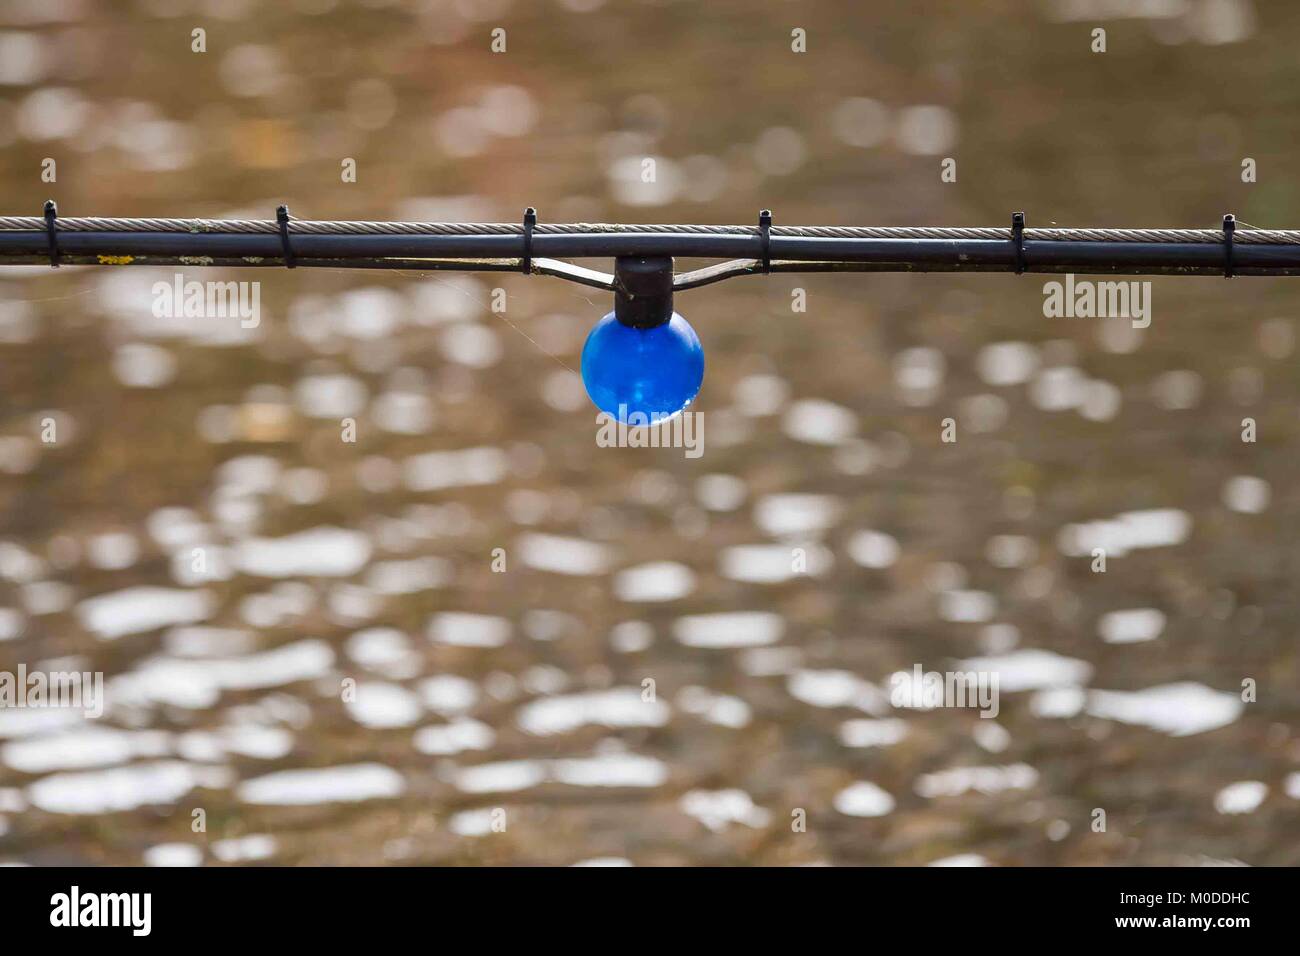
{"x": 642, "y": 375}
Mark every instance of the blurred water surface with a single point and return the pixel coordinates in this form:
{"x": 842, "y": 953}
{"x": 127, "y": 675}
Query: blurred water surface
{"x": 481, "y": 698}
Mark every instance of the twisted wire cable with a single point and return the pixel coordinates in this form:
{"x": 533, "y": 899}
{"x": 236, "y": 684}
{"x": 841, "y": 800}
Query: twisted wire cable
{"x": 363, "y": 227}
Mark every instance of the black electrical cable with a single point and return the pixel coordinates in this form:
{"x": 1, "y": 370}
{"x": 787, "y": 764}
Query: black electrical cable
{"x": 539, "y": 247}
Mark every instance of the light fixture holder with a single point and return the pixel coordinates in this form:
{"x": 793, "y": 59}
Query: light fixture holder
{"x": 643, "y": 290}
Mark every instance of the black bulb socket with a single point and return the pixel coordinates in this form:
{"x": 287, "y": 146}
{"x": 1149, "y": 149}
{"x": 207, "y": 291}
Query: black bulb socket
{"x": 643, "y": 296}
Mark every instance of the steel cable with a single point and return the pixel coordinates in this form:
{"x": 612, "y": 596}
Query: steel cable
{"x": 362, "y": 227}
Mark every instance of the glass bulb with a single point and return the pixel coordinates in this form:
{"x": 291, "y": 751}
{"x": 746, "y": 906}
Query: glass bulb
{"x": 640, "y": 376}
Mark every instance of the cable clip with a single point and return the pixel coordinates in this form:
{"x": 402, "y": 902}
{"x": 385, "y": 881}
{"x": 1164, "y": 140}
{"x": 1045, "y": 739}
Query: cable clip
{"x": 1018, "y": 237}
{"x": 530, "y": 220}
{"x": 282, "y": 217}
{"x": 52, "y": 231}
{"x": 1229, "y": 229}
{"x": 765, "y": 234}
